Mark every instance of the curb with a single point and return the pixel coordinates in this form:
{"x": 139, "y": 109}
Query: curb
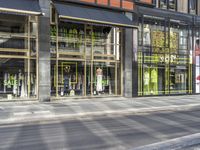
{"x": 48, "y": 115}
{"x": 174, "y": 144}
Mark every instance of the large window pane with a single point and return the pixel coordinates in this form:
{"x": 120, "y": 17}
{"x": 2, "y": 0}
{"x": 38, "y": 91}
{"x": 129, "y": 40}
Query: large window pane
{"x": 96, "y": 71}
{"x": 13, "y": 78}
{"x": 71, "y": 37}
{"x": 178, "y": 80}
{"x": 153, "y": 80}
{"x": 163, "y": 4}
{"x": 192, "y": 6}
{"x": 104, "y": 79}
{"x": 33, "y": 79}
{"x": 197, "y": 60}
{"x": 163, "y": 66}
{"x": 70, "y": 78}
{"x": 18, "y": 51}
{"x": 172, "y": 4}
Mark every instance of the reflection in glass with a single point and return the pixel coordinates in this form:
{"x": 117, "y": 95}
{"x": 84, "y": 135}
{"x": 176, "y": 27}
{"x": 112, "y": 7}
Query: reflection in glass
{"x": 104, "y": 79}
{"x": 70, "y": 78}
{"x": 14, "y": 78}
{"x": 163, "y": 4}
{"x": 163, "y": 64}
{"x": 197, "y": 61}
{"x": 172, "y": 4}
{"x": 192, "y": 6}
{"x": 96, "y": 71}
{"x": 178, "y": 80}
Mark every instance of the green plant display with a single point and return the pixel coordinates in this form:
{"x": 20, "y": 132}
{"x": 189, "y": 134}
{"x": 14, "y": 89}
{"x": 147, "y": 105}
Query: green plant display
{"x": 53, "y": 30}
{"x": 158, "y": 39}
{"x": 161, "y": 46}
{"x": 173, "y": 42}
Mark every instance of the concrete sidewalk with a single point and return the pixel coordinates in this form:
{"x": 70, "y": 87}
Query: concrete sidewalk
{"x": 190, "y": 142}
{"x": 12, "y": 112}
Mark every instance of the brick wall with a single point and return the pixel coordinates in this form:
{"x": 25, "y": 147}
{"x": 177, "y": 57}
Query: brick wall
{"x": 124, "y": 4}
{"x": 146, "y": 1}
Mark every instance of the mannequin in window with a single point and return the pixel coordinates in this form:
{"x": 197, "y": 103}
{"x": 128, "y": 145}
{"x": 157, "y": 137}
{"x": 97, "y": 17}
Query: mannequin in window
{"x": 146, "y": 35}
{"x": 66, "y": 78}
{"x": 99, "y": 75}
{"x": 146, "y": 82}
{"x": 20, "y": 82}
{"x": 154, "y": 81}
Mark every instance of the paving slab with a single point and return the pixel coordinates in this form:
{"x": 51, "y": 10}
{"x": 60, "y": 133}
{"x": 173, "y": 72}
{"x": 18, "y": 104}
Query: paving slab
{"x": 72, "y": 108}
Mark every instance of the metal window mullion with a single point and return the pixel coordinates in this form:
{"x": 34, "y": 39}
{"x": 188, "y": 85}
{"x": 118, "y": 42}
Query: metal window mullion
{"x": 142, "y": 43}
{"x": 37, "y": 59}
{"x": 115, "y": 49}
{"x": 167, "y": 25}
{"x": 167, "y": 4}
{"x": 121, "y": 62}
{"x": 29, "y": 49}
{"x": 92, "y": 61}
{"x": 57, "y": 57}
{"x": 188, "y": 59}
{"x": 85, "y": 62}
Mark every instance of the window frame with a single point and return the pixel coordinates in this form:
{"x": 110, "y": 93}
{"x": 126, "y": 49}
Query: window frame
{"x": 168, "y": 2}
{"x": 196, "y": 7}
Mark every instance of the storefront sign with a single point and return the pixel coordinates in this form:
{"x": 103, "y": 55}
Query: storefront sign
{"x": 168, "y": 58}
{"x": 11, "y": 81}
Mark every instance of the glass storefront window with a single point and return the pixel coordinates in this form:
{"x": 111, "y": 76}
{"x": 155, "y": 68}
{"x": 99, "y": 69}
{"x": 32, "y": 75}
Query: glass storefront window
{"x": 18, "y": 61}
{"x": 104, "y": 79}
{"x": 12, "y": 34}
{"x": 163, "y": 4}
{"x": 172, "y": 4}
{"x": 103, "y": 41}
{"x": 178, "y": 79}
{"x": 168, "y": 4}
{"x": 70, "y": 81}
{"x": 71, "y": 38}
{"x": 197, "y": 60}
{"x": 146, "y": 35}
{"x": 164, "y": 60}
{"x": 193, "y": 7}
{"x": 14, "y": 78}
{"x": 87, "y": 60}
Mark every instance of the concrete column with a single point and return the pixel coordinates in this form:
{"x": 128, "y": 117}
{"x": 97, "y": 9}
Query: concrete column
{"x": 135, "y": 63}
{"x": 44, "y": 52}
{"x": 127, "y": 57}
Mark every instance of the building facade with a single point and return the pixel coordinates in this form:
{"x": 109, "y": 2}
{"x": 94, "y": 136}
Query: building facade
{"x": 168, "y": 45}
{"x": 98, "y": 48}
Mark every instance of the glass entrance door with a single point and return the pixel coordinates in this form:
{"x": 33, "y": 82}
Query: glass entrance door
{"x": 154, "y": 80}
{"x": 178, "y": 80}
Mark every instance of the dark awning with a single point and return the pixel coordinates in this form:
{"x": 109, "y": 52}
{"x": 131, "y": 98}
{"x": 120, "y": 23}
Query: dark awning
{"x": 165, "y": 14}
{"x": 20, "y": 6}
{"x": 94, "y": 15}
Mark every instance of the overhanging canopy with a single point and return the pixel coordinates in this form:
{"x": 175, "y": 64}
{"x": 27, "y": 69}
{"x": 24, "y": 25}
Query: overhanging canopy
{"x": 20, "y": 6}
{"x": 94, "y": 15}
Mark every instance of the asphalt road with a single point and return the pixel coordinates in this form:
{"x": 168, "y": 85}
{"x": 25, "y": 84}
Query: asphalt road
{"x": 105, "y": 133}
{"x": 194, "y": 147}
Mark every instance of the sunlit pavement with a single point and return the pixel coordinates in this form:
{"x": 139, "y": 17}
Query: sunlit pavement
{"x": 106, "y": 123}
{"x": 105, "y": 133}
{"x": 11, "y": 112}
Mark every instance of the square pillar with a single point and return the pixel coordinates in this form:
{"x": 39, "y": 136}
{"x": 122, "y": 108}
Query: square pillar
{"x": 44, "y": 60}
{"x": 128, "y": 66}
